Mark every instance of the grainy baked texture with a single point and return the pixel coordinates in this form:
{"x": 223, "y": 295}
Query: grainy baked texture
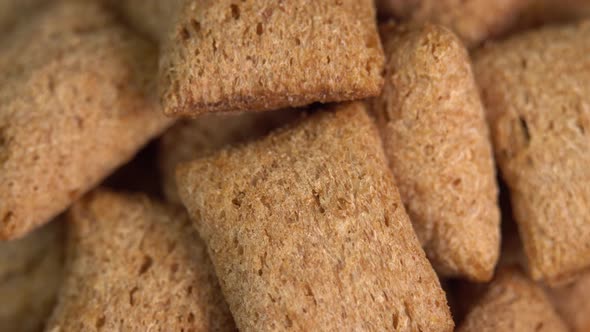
{"x": 473, "y": 20}
{"x": 14, "y": 11}
{"x": 536, "y": 87}
{"x": 153, "y": 18}
{"x": 572, "y": 302}
{"x": 307, "y": 231}
{"x": 225, "y": 55}
{"x": 76, "y": 101}
{"x": 193, "y": 139}
{"x": 513, "y": 303}
{"x": 136, "y": 265}
{"x": 30, "y": 274}
{"x": 436, "y": 139}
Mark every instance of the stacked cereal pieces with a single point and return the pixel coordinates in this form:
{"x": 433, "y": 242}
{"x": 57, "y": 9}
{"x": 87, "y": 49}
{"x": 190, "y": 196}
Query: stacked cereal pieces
{"x": 76, "y": 101}
{"x": 294, "y": 217}
{"x": 435, "y": 136}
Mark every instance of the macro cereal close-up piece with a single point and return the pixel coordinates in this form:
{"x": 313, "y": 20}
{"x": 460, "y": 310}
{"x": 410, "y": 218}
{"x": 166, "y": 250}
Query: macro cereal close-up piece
{"x": 76, "y": 101}
{"x": 307, "y": 231}
{"x": 229, "y": 55}
{"x": 195, "y": 138}
{"x": 474, "y": 21}
{"x": 513, "y": 303}
{"x": 436, "y": 138}
{"x": 572, "y": 302}
{"x": 536, "y": 89}
{"x": 136, "y": 265}
{"x": 30, "y": 275}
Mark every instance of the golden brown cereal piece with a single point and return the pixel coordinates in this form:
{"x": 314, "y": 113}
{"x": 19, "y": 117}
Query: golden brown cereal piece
{"x": 540, "y": 12}
{"x": 307, "y": 231}
{"x": 193, "y": 139}
{"x": 76, "y": 101}
{"x": 135, "y": 265}
{"x": 30, "y": 274}
{"x": 474, "y": 21}
{"x": 436, "y": 139}
{"x": 513, "y": 303}
{"x": 536, "y": 87}
{"x": 572, "y": 302}
{"x": 226, "y": 55}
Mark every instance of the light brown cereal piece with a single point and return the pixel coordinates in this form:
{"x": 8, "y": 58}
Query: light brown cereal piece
{"x": 541, "y": 12}
{"x": 225, "y": 55}
{"x": 513, "y": 303}
{"x": 474, "y": 21}
{"x": 436, "y": 139}
{"x": 76, "y": 101}
{"x": 536, "y": 87}
{"x": 30, "y": 274}
{"x": 572, "y": 302}
{"x": 307, "y": 231}
{"x": 193, "y": 139}
{"x": 136, "y": 265}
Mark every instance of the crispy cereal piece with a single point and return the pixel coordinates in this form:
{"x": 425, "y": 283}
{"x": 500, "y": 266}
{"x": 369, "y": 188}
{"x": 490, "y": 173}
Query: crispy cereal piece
{"x": 135, "y": 265}
{"x": 436, "y": 139}
{"x": 536, "y": 87}
{"x": 76, "y": 101}
{"x": 30, "y": 274}
{"x": 572, "y": 302}
{"x": 513, "y": 303}
{"x": 226, "y": 55}
{"x": 193, "y": 139}
{"x": 474, "y": 21}
{"x": 307, "y": 231}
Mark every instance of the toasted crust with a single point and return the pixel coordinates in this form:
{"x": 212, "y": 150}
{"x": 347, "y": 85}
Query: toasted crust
{"x": 307, "y": 231}
{"x": 536, "y": 87}
{"x": 474, "y": 21}
{"x": 30, "y": 274}
{"x": 513, "y": 303}
{"x": 436, "y": 139}
{"x": 224, "y": 55}
{"x": 75, "y": 102}
{"x": 572, "y": 302}
{"x": 135, "y": 265}
{"x": 193, "y": 139}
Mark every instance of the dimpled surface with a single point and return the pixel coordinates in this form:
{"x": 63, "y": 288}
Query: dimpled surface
{"x": 436, "y": 139}
{"x": 513, "y": 303}
{"x": 75, "y": 102}
{"x": 536, "y": 88}
{"x": 225, "y": 55}
{"x": 30, "y": 274}
{"x": 473, "y": 20}
{"x": 307, "y": 231}
{"x": 135, "y": 265}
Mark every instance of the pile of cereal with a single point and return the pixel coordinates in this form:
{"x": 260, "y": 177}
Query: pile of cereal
{"x": 295, "y": 165}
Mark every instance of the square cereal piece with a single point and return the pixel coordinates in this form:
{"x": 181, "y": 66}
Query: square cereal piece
{"x": 436, "y": 138}
{"x": 224, "y": 55}
{"x": 134, "y": 264}
{"x": 536, "y": 88}
{"x": 307, "y": 231}
{"x": 76, "y": 101}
